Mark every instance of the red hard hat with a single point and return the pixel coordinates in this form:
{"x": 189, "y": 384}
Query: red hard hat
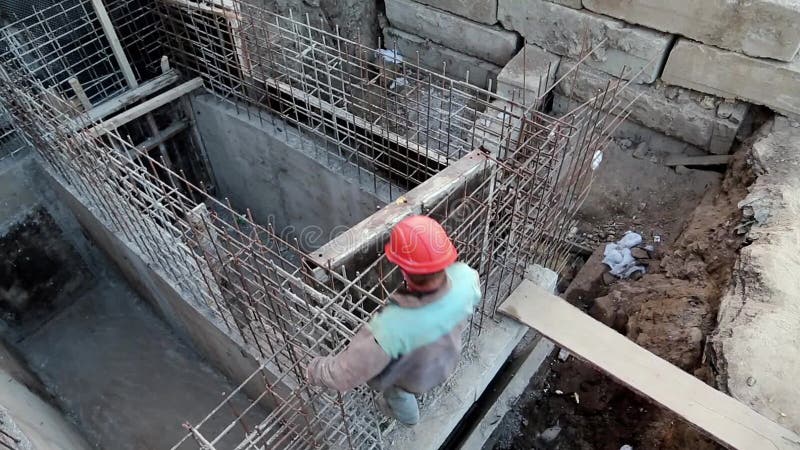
{"x": 419, "y": 245}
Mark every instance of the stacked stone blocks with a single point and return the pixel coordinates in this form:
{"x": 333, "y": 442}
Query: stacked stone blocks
{"x": 690, "y": 63}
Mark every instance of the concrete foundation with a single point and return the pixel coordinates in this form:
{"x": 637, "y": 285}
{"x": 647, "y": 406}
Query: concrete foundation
{"x": 761, "y": 28}
{"x": 432, "y": 56}
{"x": 97, "y": 353}
{"x": 284, "y": 178}
{"x": 563, "y": 31}
{"x": 488, "y": 43}
{"x": 35, "y": 423}
{"x": 734, "y": 75}
{"x": 123, "y": 374}
{"x": 680, "y": 113}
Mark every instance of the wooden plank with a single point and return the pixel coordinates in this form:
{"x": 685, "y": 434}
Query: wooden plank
{"x": 80, "y": 93}
{"x": 126, "y": 99}
{"x": 725, "y": 419}
{"x": 705, "y": 160}
{"x": 163, "y": 135}
{"x": 145, "y": 107}
{"x": 113, "y": 40}
{"x": 368, "y": 233}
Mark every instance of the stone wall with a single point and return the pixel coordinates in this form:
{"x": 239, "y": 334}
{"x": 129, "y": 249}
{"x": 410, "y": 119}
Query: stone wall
{"x": 696, "y": 66}
{"x": 719, "y": 55}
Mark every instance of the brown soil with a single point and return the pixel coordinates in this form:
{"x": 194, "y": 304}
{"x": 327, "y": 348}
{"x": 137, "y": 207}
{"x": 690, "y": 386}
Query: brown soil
{"x": 669, "y": 311}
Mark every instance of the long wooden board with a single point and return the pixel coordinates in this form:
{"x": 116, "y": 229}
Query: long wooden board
{"x": 145, "y": 107}
{"x": 725, "y": 419}
{"x": 705, "y": 160}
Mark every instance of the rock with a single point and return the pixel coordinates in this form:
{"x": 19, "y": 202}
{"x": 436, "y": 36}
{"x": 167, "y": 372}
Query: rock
{"x": 563, "y": 354}
{"x": 751, "y": 381}
{"x": 682, "y": 170}
{"x": 693, "y": 121}
{"x": 761, "y": 28}
{"x": 608, "y": 279}
{"x": 527, "y": 72}
{"x": 550, "y": 434}
{"x": 625, "y": 143}
{"x": 431, "y": 55}
{"x": 672, "y": 92}
{"x": 625, "y": 49}
{"x": 640, "y": 151}
{"x": 588, "y": 282}
{"x": 489, "y": 43}
{"x": 576, "y": 4}
{"x": 639, "y": 253}
{"x": 604, "y": 310}
{"x": 708, "y": 102}
{"x": 708, "y": 69}
{"x": 725, "y": 109}
{"x": 626, "y": 447}
{"x": 484, "y": 11}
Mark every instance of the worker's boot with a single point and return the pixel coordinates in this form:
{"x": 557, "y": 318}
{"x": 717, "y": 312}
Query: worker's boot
{"x": 400, "y": 405}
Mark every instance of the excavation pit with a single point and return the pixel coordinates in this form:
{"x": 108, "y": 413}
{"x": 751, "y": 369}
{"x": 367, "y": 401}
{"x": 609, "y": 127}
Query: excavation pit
{"x": 201, "y": 177}
{"x": 81, "y": 339}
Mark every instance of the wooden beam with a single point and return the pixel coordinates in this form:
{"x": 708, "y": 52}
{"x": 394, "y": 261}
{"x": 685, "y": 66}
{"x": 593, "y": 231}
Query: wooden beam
{"x": 124, "y": 100}
{"x": 725, "y": 419}
{"x": 368, "y": 233}
{"x": 705, "y": 160}
{"x": 145, "y": 107}
{"x": 113, "y": 40}
{"x": 163, "y": 135}
{"x": 80, "y": 93}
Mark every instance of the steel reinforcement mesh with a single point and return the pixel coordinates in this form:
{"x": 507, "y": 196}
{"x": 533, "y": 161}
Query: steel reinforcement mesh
{"x": 265, "y": 292}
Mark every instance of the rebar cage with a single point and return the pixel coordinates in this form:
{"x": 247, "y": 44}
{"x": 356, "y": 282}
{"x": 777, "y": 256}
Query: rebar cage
{"x": 373, "y": 110}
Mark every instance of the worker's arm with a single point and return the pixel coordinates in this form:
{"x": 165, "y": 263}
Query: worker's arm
{"x": 360, "y": 362}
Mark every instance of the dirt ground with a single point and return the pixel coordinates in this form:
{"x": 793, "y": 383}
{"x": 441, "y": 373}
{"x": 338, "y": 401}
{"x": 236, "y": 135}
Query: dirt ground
{"x": 631, "y": 193}
{"x": 670, "y": 311}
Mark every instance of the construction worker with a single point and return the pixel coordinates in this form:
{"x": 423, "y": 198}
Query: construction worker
{"x": 413, "y": 344}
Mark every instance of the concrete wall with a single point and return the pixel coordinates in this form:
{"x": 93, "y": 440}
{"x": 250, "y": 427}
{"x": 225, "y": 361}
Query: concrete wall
{"x": 281, "y": 176}
{"x": 37, "y": 424}
{"x": 25, "y": 411}
{"x": 194, "y": 323}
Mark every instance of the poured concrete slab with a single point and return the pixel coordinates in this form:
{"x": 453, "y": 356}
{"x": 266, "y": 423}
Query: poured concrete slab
{"x": 286, "y": 178}
{"x": 124, "y": 376}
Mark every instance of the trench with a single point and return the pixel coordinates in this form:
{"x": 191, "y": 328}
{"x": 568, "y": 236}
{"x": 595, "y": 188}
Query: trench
{"x": 671, "y": 310}
{"x": 77, "y": 334}
{"x": 78, "y": 324}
